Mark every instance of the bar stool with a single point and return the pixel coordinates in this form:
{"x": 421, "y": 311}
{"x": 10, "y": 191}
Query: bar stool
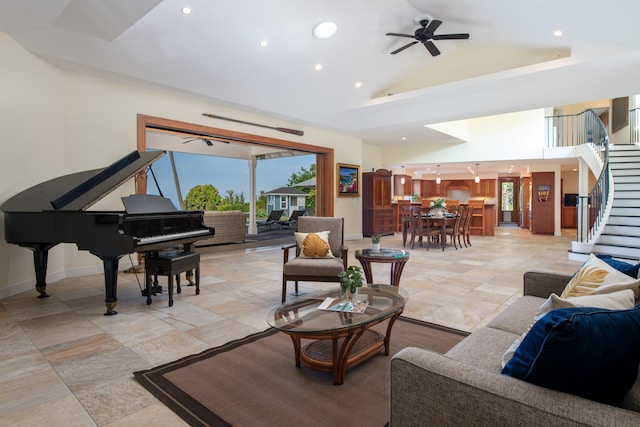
{"x": 171, "y": 264}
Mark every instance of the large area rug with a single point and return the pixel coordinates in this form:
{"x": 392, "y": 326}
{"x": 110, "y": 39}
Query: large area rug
{"x": 254, "y": 382}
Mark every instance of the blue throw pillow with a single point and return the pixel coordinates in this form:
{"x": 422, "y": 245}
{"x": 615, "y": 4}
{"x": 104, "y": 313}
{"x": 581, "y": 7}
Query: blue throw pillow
{"x": 623, "y": 267}
{"x": 586, "y": 351}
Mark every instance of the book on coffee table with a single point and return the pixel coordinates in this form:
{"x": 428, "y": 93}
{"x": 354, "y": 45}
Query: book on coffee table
{"x": 347, "y": 306}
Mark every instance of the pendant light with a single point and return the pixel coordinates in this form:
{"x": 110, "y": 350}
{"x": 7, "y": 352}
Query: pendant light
{"x": 402, "y": 181}
{"x": 477, "y": 179}
{"x": 438, "y": 180}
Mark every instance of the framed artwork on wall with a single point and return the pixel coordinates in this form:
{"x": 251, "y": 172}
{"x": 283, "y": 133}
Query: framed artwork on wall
{"x": 348, "y": 179}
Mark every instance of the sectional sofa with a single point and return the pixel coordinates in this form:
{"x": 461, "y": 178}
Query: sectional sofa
{"x": 465, "y": 386}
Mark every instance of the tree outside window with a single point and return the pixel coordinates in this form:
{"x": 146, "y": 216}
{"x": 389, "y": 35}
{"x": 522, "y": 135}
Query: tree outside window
{"x": 507, "y": 196}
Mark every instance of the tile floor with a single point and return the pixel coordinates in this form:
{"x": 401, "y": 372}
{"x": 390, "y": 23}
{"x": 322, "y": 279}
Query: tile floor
{"x": 63, "y": 363}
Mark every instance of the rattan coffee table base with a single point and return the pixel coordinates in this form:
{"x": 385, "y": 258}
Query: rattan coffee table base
{"x": 318, "y": 355}
{"x": 342, "y": 350}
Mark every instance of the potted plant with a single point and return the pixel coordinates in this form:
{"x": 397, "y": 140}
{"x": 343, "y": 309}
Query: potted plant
{"x": 375, "y": 242}
{"x": 350, "y": 280}
{"x": 437, "y": 207}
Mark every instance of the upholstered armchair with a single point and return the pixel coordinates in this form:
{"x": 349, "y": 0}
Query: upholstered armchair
{"x": 313, "y": 262}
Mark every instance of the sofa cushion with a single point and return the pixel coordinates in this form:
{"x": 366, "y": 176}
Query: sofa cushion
{"x": 314, "y": 267}
{"x": 586, "y": 351}
{"x": 597, "y": 277}
{"x": 518, "y": 318}
{"x": 314, "y": 245}
{"x": 630, "y": 270}
{"x": 483, "y": 348}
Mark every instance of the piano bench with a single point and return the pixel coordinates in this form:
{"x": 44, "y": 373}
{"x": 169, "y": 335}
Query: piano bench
{"x": 171, "y": 264}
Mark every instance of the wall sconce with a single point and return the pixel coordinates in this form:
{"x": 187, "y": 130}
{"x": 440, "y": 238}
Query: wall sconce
{"x": 438, "y": 180}
{"x": 402, "y": 181}
{"x": 477, "y": 179}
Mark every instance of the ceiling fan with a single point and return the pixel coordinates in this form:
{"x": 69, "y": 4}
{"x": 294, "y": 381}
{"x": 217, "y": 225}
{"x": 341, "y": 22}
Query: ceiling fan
{"x": 207, "y": 141}
{"x": 424, "y": 35}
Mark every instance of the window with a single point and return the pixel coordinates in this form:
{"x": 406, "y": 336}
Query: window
{"x": 283, "y": 202}
{"x": 507, "y": 196}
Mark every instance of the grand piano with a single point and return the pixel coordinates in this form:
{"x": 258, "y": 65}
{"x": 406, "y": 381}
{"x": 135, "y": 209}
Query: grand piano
{"x": 55, "y": 212}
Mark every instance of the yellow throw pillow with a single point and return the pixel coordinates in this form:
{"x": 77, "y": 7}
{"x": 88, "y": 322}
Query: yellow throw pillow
{"x": 314, "y": 245}
{"x": 597, "y": 277}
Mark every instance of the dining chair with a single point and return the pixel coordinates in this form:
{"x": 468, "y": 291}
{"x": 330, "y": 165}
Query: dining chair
{"x": 467, "y": 225}
{"x": 454, "y": 230}
{"x": 409, "y": 217}
{"x": 464, "y": 216}
{"x": 424, "y": 228}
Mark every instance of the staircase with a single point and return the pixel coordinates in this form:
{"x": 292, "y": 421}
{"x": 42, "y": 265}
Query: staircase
{"x": 621, "y": 235}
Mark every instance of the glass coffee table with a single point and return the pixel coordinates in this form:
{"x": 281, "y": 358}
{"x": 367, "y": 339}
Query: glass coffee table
{"x": 339, "y": 340}
{"x": 396, "y": 257}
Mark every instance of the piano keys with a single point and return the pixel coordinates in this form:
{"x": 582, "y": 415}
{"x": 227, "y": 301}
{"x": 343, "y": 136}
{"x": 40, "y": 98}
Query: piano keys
{"x": 56, "y": 212}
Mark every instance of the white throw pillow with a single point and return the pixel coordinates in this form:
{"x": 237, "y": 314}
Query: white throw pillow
{"x": 597, "y": 277}
{"x": 314, "y": 245}
{"x": 621, "y": 300}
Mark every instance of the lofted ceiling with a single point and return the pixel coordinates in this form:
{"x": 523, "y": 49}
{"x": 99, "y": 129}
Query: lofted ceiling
{"x": 511, "y": 62}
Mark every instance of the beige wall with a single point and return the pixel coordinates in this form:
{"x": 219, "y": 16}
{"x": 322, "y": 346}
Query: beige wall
{"x": 56, "y": 122}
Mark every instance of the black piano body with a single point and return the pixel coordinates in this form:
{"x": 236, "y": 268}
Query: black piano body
{"x": 55, "y": 212}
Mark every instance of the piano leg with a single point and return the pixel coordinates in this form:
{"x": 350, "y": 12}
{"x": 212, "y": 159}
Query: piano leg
{"x": 110, "y": 282}
{"x": 40, "y": 261}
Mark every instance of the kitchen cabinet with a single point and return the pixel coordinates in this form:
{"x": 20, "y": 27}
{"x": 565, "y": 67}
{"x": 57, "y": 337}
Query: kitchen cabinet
{"x": 400, "y": 189}
{"x": 484, "y": 188}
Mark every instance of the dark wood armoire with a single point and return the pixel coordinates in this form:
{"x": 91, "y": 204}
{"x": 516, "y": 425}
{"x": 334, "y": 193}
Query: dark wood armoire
{"x": 377, "y": 213}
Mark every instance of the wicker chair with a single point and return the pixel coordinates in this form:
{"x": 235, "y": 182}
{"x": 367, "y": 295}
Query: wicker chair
{"x": 299, "y": 269}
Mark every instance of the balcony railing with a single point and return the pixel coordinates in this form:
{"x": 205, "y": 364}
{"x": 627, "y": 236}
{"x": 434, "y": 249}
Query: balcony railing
{"x": 574, "y": 130}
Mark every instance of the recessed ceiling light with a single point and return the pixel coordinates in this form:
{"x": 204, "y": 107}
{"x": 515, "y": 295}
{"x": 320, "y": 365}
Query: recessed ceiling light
{"x": 358, "y": 84}
{"x": 557, "y": 33}
{"x": 404, "y": 138}
{"x": 325, "y": 30}
{"x": 264, "y": 43}
{"x": 186, "y": 10}
{"x": 318, "y": 67}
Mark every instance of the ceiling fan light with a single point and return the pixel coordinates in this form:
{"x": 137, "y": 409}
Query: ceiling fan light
{"x": 325, "y": 30}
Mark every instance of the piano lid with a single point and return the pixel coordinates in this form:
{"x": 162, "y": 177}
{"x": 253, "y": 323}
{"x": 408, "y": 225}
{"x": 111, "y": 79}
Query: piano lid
{"x": 78, "y": 191}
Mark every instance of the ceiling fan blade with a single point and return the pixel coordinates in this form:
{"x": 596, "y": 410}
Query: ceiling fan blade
{"x": 400, "y": 35}
{"x": 451, "y": 37}
{"x": 433, "y": 50}
{"x": 403, "y": 48}
{"x": 189, "y": 140}
{"x": 433, "y": 26}
{"x": 208, "y": 142}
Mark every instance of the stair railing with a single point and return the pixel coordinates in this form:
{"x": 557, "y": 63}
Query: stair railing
{"x": 634, "y": 125}
{"x": 574, "y": 130}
